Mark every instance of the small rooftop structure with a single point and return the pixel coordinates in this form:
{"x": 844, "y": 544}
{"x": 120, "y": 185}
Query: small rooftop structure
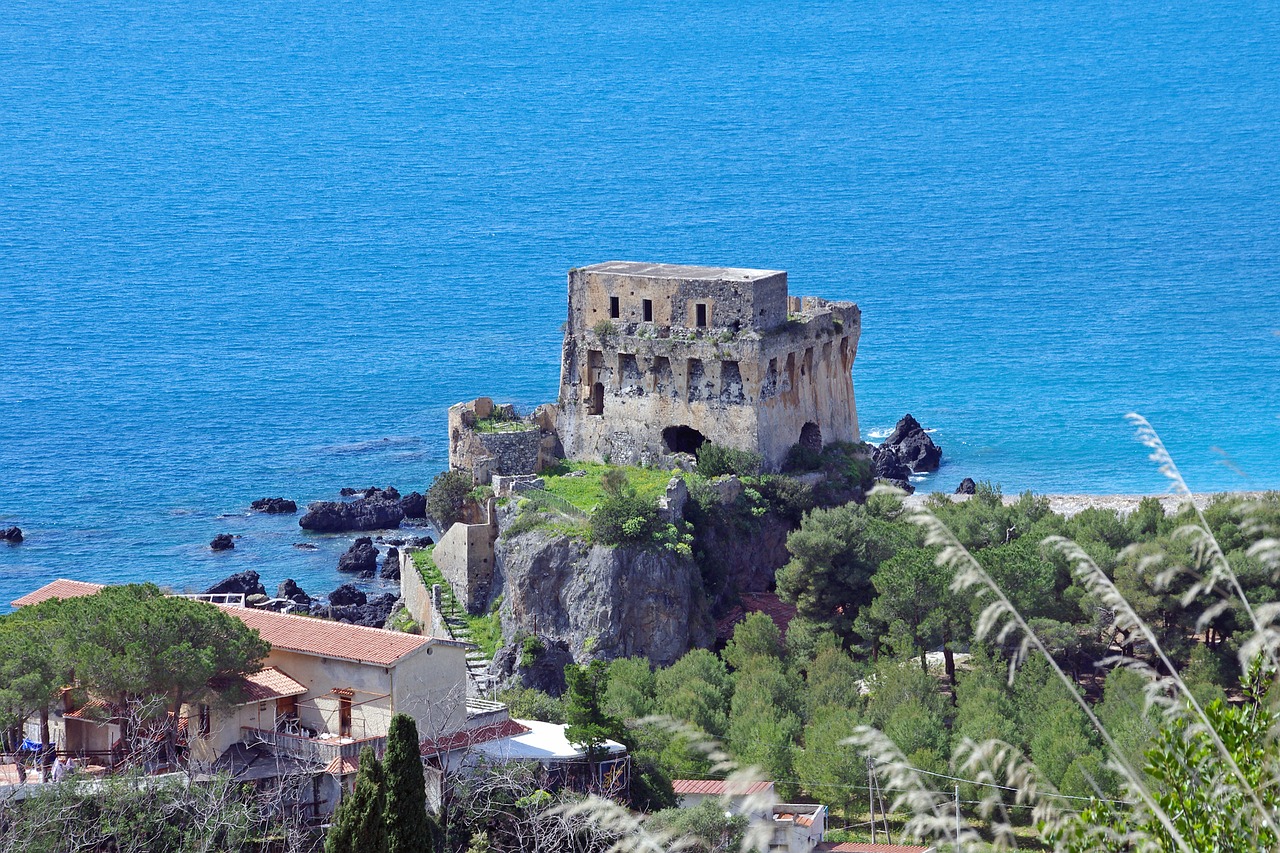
{"x": 767, "y": 603}
{"x": 544, "y": 742}
{"x": 867, "y": 847}
{"x": 719, "y": 787}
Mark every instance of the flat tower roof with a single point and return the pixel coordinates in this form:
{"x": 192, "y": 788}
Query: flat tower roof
{"x": 640, "y": 269}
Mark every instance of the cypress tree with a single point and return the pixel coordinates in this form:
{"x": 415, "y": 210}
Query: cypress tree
{"x": 409, "y": 828}
{"x": 360, "y": 823}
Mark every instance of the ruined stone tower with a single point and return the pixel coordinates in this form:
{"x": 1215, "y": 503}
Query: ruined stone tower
{"x": 659, "y": 358}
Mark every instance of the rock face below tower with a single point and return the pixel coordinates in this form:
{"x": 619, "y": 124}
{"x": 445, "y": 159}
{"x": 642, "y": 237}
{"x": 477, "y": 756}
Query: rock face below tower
{"x": 660, "y": 358}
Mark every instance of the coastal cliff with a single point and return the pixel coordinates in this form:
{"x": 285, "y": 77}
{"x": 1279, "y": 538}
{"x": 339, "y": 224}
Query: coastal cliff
{"x": 604, "y": 602}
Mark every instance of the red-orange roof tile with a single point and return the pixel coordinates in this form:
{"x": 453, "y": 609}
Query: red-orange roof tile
{"x": 473, "y": 737}
{"x": 61, "y": 588}
{"x": 864, "y": 847}
{"x": 767, "y": 603}
{"x": 324, "y": 638}
{"x": 269, "y": 683}
{"x": 342, "y": 766}
{"x": 718, "y": 787}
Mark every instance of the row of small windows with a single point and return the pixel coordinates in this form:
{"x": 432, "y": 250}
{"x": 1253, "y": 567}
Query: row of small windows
{"x": 646, "y": 310}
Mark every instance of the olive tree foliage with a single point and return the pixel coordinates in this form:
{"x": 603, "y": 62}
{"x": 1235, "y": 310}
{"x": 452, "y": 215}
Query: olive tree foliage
{"x": 447, "y": 498}
{"x": 127, "y": 813}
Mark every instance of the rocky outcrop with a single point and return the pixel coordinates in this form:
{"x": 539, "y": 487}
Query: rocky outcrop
{"x": 242, "y": 583}
{"x": 289, "y": 589}
{"x": 414, "y": 505}
{"x": 890, "y": 469}
{"x": 347, "y": 594}
{"x": 737, "y": 561}
{"x": 967, "y": 487}
{"x": 12, "y": 535}
{"x": 372, "y": 614}
{"x": 361, "y": 558}
{"x": 391, "y": 565}
{"x": 546, "y": 668}
{"x": 913, "y": 446}
{"x": 222, "y": 542}
{"x": 604, "y": 602}
{"x": 274, "y": 505}
{"x": 375, "y": 513}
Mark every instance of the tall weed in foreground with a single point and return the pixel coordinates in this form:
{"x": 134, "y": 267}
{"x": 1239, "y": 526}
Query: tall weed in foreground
{"x": 1210, "y": 778}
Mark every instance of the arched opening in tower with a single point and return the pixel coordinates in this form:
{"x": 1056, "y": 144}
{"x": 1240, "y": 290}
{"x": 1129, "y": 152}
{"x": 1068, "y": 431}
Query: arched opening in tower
{"x": 682, "y": 439}
{"x": 811, "y": 436}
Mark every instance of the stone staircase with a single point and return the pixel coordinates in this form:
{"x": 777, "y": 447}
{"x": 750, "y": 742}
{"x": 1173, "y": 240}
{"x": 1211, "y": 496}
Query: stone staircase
{"x": 479, "y": 682}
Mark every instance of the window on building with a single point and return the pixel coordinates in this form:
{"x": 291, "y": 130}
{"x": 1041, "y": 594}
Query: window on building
{"x": 205, "y": 723}
{"x": 344, "y": 716}
{"x": 648, "y": 310}
{"x": 615, "y": 310}
{"x": 700, "y": 314}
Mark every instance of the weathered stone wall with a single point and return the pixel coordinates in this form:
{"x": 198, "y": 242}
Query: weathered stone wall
{"x": 623, "y": 385}
{"x": 525, "y": 446}
{"x": 737, "y": 299}
{"x": 464, "y": 556}
{"x": 417, "y": 597}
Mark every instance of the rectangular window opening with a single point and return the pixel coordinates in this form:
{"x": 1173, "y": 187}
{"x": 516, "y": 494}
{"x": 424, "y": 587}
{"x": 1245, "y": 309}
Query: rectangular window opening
{"x": 648, "y": 310}
{"x": 700, "y": 315}
{"x": 344, "y": 716}
{"x": 615, "y": 310}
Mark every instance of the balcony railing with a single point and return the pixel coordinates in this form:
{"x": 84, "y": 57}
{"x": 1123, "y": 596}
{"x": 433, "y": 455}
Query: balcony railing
{"x": 313, "y": 749}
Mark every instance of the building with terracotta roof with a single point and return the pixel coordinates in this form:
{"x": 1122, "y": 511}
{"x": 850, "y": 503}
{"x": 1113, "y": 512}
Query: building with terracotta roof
{"x": 748, "y": 798}
{"x": 326, "y": 690}
{"x": 867, "y": 847}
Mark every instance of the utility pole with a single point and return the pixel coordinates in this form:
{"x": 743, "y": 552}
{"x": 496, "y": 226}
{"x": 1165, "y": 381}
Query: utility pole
{"x": 957, "y": 817}
{"x": 871, "y": 801}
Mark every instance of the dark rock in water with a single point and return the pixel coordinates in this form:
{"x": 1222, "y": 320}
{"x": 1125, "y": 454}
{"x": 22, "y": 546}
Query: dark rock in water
{"x": 372, "y": 614}
{"x": 967, "y": 487}
{"x": 12, "y": 535}
{"x": 914, "y": 447}
{"x": 222, "y": 542}
{"x": 390, "y": 493}
{"x": 391, "y": 565}
{"x": 890, "y": 469}
{"x": 348, "y": 492}
{"x": 422, "y": 541}
{"x": 289, "y": 589}
{"x": 359, "y": 514}
{"x": 274, "y": 505}
{"x": 547, "y": 670}
{"x": 245, "y": 583}
{"x": 306, "y": 546}
{"x": 414, "y": 505}
{"x": 361, "y": 558}
{"x": 347, "y": 594}
{"x": 396, "y": 542}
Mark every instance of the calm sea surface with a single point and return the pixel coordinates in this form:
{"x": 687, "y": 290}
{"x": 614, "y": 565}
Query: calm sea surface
{"x": 253, "y": 248}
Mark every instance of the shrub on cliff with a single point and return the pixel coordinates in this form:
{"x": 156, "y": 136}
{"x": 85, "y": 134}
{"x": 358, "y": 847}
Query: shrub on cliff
{"x": 715, "y": 460}
{"x": 447, "y": 498}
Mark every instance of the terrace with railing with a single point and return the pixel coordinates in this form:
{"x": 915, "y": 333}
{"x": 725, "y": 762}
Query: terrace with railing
{"x": 320, "y": 749}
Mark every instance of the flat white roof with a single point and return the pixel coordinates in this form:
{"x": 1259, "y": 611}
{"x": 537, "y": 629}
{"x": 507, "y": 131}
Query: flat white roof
{"x": 543, "y": 742}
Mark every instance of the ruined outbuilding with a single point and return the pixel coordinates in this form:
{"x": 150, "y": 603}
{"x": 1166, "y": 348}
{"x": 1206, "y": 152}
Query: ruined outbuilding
{"x": 659, "y": 359}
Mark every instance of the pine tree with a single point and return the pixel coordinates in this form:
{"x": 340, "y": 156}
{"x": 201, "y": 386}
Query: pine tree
{"x": 360, "y": 822}
{"x": 409, "y": 828}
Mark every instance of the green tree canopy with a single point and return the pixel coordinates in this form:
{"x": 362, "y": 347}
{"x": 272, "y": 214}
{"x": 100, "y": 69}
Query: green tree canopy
{"x": 360, "y": 821}
{"x": 589, "y": 725}
{"x": 409, "y": 827}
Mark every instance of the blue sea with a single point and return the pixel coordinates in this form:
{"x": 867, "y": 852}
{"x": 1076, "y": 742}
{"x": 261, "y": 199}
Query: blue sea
{"x": 254, "y": 248}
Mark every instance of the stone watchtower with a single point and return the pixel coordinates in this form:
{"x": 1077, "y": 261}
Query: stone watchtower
{"x": 659, "y": 358}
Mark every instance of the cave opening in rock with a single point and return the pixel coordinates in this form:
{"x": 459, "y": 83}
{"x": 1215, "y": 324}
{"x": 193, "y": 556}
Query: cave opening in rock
{"x": 811, "y": 436}
{"x": 682, "y": 439}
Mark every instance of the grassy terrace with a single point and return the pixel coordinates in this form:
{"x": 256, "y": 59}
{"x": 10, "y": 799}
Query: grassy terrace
{"x": 496, "y": 425}
{"x": 485, "y": 630}
{"x": 586, "y": 492}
